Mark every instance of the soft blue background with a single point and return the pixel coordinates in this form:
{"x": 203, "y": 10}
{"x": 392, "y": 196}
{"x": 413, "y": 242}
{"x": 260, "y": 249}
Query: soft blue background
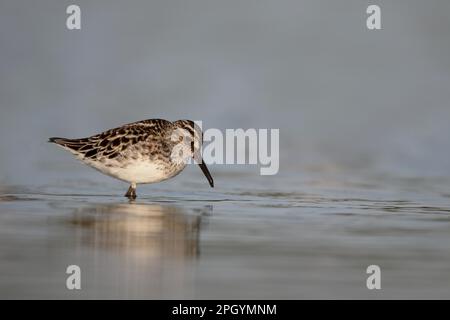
{"x": 342, "y": 96}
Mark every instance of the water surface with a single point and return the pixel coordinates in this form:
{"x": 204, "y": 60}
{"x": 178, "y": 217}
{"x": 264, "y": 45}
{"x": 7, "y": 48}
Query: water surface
{"x": 308, "y": 237}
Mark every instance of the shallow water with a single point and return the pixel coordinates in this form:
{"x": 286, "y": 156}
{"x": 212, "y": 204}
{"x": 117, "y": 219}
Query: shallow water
{"x": 313, "y": 237}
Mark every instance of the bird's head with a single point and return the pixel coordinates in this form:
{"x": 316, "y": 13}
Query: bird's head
{"x": 187, "y": 138}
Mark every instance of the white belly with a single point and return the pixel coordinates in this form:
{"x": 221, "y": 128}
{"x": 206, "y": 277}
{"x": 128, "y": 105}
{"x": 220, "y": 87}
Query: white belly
{"x": 134, "y": 172}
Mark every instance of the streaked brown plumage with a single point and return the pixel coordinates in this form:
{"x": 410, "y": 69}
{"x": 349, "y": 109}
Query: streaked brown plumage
{"x": 140, "y": 152}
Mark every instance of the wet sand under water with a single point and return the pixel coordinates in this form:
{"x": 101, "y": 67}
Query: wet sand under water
{"x": 312, "y": 238}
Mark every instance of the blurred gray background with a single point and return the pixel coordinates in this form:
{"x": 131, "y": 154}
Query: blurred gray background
{"x": 342, "y": 96}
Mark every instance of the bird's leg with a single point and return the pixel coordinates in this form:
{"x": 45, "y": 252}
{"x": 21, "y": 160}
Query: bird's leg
{"x": 131, "y": 193}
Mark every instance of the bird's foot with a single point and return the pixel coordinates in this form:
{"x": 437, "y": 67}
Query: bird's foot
{"x": 131, "y": 193}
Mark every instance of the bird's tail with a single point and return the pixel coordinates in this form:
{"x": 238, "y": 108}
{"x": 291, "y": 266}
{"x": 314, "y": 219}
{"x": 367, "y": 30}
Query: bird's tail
{"x": 57, "y": 140}
{"x": 73, "y": 145}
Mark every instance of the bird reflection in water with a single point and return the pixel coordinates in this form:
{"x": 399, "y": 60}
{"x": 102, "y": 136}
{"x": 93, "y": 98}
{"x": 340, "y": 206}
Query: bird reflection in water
{"x": 145, "y": 248}
{"x": 148, "y": 229}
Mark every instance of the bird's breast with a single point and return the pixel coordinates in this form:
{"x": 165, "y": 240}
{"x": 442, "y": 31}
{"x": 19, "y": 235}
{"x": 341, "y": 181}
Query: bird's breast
{"x": 138, "y": 171}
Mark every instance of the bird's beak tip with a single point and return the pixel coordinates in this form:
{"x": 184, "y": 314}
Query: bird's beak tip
{"x": 207, "y": 174}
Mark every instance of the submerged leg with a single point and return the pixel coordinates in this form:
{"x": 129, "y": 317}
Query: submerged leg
{"x": 131, "y": 193}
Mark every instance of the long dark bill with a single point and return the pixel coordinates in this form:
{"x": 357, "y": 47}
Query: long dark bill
{"x": 206, "y": 173}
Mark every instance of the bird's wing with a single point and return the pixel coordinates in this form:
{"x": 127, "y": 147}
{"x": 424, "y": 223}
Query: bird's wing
{"x": 114, "y": 142}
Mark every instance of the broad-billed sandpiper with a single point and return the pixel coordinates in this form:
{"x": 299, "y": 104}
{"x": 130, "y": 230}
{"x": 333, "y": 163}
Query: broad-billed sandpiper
{"x": 141, "y": 152}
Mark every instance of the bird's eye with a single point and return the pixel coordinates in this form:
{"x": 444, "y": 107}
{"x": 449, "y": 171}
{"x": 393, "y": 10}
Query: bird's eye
{"x": 180, "y": 138}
